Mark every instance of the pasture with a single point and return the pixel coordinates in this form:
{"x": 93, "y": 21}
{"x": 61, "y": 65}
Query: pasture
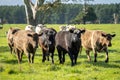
{"x": 84, "y": 70}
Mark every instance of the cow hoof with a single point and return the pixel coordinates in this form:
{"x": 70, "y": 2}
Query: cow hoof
{"x": 43, "y": 60}
{"x": 52, "y": 62}
{"x": 106, "y": 61}
{"x": 72, "y": 64}
{"x": 95, "y": 60}
{"x": 61, "y": 62}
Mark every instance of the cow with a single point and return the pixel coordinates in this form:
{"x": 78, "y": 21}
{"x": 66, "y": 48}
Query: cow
{"x": 68, "y": 42}
{"x": 96, "y": 41}
{"x": 66, "y": 28}
{"x": 10, "y": 34}
{"x": 39, "y": 27}
{"x": 62, "y": 28}
{"x": 47, "y": 43}
{"x": 30, "y": 28}
{"x": 24, "y": 42}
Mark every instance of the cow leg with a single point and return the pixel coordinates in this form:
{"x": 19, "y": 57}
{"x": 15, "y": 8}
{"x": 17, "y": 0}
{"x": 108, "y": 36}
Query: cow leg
{"x": 11, "y": 49}
{"x": 63, "y": 57}
{"x": 76, "y": 58}
{"x": 60, "y": 56}
{"x": 21, "y": 56}
{"x": 32, "y": 56}
{"x": 29, "y": 60}
{"x": 95, "y": 56}
{"x": 18, "y": 55}
{"x": 47, "y": 56}
{"x": 52, "y": 57}
{"x": 44, "y": 55}
{"x": 80, "y": 49}
{"x": 71, "y": 58}
{"x": 107, "y": 58}
{"x": 88, "y": 55}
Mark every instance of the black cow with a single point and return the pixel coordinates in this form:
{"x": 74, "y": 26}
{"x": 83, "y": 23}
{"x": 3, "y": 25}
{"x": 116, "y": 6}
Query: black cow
{"x": 68, "y": 42}
{"x": 47, "y": 43}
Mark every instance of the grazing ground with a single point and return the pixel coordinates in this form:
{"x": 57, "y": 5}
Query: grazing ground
{"x": 84, "y": 70}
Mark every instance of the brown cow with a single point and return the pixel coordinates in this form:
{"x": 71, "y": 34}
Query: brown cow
{"x": 97, "y": 41}
{"x": 10, "y": 34}
{"x": 24, "y": 41}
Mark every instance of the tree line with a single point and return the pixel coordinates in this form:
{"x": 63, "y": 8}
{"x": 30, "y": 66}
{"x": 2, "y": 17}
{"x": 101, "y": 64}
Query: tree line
{"x": 64, "y": 14}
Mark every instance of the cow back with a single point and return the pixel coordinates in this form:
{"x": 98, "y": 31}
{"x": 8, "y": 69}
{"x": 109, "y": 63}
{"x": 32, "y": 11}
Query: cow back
{"x": 93, "y": 39}
{"x": 26, "y": 41}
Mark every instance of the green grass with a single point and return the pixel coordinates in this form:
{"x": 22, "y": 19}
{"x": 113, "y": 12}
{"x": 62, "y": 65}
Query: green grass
{"x": 84, "y": 70}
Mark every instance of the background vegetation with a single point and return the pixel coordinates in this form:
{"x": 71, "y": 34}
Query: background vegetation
{"x": 65, "y": 13}
{"x": 84, "y": 70}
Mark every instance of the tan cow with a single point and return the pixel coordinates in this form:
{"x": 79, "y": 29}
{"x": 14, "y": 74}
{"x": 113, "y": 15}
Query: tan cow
{"x": 10, "y": 35}
{"x": 96, "y": 41}
{"x": 24, "y": 42}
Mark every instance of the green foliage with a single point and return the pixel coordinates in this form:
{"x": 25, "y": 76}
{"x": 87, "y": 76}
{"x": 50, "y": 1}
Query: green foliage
{"x": 84, "y": 70}
{"x": 84, "y": 16}
{"x": 65, "y": 13}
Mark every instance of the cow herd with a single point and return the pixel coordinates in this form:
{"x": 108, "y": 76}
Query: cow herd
{"x": 69, "y": 40}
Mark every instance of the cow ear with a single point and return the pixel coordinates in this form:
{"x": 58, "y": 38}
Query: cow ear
{"x": 15, "y": 30}
{"x": 11, "y": 28}
{"x": 82, "y": 31}
{"x": 29, "y": 35}
{"x": 113, "y": 35}
{"x": 104, "y": 35}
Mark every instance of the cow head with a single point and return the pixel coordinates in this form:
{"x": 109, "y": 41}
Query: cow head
{"x": 29, "y": 27}
{"x": 77, "y": 33}
{"x": 35, "y": 39}
{"x": 108, "y": 38}
{"x": 11, "y": 33}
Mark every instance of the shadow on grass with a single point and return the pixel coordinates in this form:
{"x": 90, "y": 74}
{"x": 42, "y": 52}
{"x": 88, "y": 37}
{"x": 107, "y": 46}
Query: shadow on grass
{"x": 114, "y": 51}
{"x": 4, "y": 49}
{"x": 40, "y": 54}
{"x": 117, "y": 61}
{"x": 12, "y": 61}
{"x": 103, "y": 64}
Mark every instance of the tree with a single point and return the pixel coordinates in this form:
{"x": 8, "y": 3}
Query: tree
{"x": 32, "y": 9}
{"x": 89, "y": 15}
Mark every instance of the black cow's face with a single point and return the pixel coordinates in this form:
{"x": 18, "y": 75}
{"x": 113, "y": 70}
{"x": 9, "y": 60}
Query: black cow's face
{"x": 108, "y": 38}
{"x": 35, "y": 39}
{"x": 78, "y": 32}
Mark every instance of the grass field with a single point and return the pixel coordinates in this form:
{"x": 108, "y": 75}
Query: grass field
{"x": 84, "y": 70}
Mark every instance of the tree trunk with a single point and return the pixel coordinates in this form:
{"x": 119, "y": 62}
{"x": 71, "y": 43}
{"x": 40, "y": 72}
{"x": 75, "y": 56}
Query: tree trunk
{"x": 29, "y": 13}
{"x": 115, "y": 18}
{"x": 31, "y": 10}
